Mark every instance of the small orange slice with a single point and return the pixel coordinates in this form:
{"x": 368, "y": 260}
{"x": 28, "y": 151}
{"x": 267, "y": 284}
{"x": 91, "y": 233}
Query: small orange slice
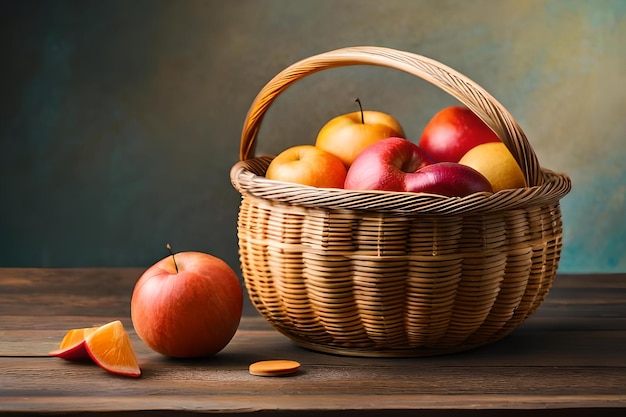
{"x": 74, "y": 336}
{"x": 274, "y": 368}
{"x": 72, "y": 347}
{"x": 110, "y": 347}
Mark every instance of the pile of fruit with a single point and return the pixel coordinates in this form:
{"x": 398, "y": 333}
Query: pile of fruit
{"x": 457, "y": 155}
{"x": 190, "y": 305}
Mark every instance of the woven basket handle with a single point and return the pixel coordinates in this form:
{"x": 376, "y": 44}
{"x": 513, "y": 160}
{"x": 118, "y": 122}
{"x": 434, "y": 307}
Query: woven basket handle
{"x": 466, "y": 91}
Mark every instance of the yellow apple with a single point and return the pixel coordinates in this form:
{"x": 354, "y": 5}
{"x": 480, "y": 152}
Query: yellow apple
{"x": 495, "y": 162}
{"x": 308, "y": 165}
{"x": 347, "y": 135}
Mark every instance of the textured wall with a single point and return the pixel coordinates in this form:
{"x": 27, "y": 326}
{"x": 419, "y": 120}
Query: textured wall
{"x": 120, "y": 120}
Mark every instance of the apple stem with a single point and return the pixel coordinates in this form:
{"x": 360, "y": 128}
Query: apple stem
{"x": 358, "y": 100}
{"x": 169, "y": 248}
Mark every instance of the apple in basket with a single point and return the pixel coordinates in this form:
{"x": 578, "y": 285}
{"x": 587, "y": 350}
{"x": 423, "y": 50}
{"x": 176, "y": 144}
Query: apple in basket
{"x": 452, "y": 132}
{"x": 397, "y": 164}
{"x": 307, "y": 165}
{"x": 347, "y": 135}
{"x": 187, "y": 305}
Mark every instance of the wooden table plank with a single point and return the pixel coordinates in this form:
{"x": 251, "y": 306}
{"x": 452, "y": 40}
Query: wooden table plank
{"x": 527, "y": 346}
{"x": 569, "y": 358}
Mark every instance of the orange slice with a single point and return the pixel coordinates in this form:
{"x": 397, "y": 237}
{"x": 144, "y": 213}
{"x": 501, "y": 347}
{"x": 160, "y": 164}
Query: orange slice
{"x": 72, "y": 347}
{"x": 74, "y": 336}
{"x": 274, "y": 368}
{"x": 110, "y": 348}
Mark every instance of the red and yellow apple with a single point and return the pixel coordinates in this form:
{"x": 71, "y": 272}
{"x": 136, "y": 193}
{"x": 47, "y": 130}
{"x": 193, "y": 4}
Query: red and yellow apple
{"x": 385, "y": 165}
{"x": 187, "y": 305}
{"x": 347, "y": 135}
{"x": 397, "y": 164}
{"x": 307, "y": 165}
{"x": 452, "y": 132}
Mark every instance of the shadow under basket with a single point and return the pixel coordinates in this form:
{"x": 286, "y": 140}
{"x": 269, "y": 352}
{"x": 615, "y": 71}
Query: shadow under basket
{"x": 375, "y": 273}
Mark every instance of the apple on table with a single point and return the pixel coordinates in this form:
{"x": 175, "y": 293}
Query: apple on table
{"x": 187, "y": 305}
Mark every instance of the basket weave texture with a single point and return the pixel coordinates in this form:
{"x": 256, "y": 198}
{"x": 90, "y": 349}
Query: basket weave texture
{"x": 374, "y": 273}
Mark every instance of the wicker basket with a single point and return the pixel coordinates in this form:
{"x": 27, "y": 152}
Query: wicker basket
{"x": 396, "y": 274}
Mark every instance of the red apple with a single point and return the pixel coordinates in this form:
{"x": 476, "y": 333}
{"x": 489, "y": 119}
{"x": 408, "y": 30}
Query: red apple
{"x": 397, "y": 164}
{"x": 452, "y": 132}
{"x": 187, "y": 305}
{"x": 347, "y": 135}
{"x": 308, "y": 165}
{"x": 385, "y": 165}
{"x": 448, "y": 178}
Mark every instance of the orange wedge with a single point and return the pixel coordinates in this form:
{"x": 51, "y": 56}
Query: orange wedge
{"x": 74, "y": 336}
{"x": 109, "y": 346}
{"x": 72, "y": 346}
{"x": 111, "y": 349}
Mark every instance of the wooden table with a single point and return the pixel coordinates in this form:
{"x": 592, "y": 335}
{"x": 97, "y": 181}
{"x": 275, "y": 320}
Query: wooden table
{"x": 568, "y": 359}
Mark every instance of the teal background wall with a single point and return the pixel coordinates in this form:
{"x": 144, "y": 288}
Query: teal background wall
{"x": 120, "y": 120}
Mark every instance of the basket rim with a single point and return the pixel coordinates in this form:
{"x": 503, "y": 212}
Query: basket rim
{"x": 248, "y": 178}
